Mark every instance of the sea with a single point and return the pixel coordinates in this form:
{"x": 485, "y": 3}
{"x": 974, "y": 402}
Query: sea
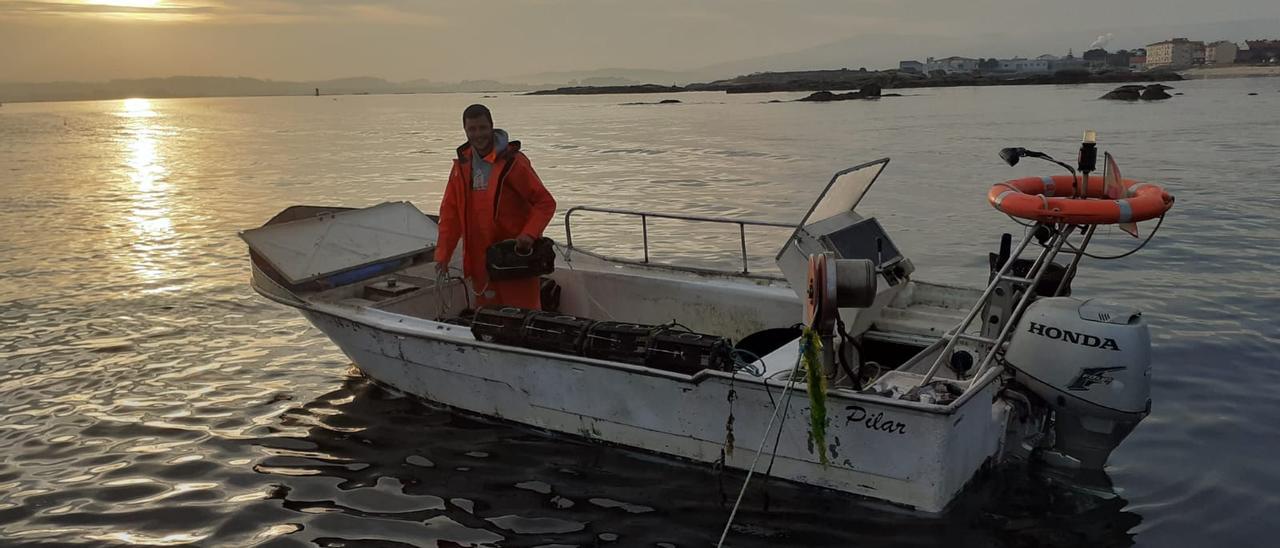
{"x": 148, "y": 397}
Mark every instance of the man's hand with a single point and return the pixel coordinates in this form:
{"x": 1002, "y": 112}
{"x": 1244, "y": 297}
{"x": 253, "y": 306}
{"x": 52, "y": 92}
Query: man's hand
{"x": 442, "y": 269}
{"x": 524, "y": 244}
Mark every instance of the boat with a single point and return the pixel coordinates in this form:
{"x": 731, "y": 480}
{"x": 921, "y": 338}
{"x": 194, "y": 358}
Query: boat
{"x": 923, "y": 385}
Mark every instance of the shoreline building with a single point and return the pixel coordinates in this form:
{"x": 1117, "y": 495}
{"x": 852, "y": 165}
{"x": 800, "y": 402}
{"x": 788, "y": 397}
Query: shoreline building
{"x": 911, "y": 66}
{"x": 951, "y": 65}
{"x": 1175, "y": 53}
{"x": 1222, "y": 52}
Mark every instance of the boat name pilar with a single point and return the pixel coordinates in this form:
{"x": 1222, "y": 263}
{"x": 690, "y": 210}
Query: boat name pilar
{"x": 874, "y": 421}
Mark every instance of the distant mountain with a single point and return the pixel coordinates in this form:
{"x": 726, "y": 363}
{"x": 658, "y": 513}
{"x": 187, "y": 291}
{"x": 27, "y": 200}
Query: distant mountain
{"x": 607, "y": 77}
{"x": 216, "y": 86}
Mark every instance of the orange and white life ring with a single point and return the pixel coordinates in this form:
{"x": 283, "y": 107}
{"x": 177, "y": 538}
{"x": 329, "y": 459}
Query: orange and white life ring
{"x": 1050, "y": 199}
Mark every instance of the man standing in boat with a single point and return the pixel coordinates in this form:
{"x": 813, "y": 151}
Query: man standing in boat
{"x": 493, "y": 195}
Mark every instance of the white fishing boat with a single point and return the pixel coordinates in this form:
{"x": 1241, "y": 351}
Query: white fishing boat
{"x": 926, "y": 383}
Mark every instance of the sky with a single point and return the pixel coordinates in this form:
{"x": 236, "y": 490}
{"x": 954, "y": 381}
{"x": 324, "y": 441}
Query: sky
{"x": 91, "y": 40}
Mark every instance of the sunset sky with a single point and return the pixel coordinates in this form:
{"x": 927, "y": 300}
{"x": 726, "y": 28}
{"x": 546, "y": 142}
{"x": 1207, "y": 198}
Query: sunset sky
{"x": 44, "y": 40}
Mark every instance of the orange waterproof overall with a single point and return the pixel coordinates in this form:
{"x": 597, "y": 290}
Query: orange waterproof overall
{"x": 514, "y": 202}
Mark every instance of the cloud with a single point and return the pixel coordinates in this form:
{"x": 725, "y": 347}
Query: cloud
{"x": 37, "y": 8}
{"x": 393, "y": 12}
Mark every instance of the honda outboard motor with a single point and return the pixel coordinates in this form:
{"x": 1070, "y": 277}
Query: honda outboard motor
{"x": 1090, "y": 361}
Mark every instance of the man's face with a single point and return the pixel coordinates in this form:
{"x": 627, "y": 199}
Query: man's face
{"x": 479, "y": 133}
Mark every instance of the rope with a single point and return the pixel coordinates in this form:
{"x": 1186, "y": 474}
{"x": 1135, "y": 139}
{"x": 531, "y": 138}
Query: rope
{"x": 759, "y": 451}
{"x": 564, "y": 253}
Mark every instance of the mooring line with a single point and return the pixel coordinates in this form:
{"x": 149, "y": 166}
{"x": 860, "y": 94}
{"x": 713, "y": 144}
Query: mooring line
{"x": 791, "y": 381}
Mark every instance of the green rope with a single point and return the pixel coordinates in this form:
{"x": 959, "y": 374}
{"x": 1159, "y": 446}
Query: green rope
{"x": 810, "y": 346}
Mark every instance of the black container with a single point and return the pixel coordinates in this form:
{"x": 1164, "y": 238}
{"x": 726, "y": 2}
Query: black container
{"x": 1048, "y": 283}
{"x": 502, "y": 325}
{"x": 685, "y": 352}
{"x": 618, "y": 342}
{"x": 555, "y": 332}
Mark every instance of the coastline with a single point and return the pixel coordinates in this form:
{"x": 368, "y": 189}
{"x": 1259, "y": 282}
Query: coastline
{"x": 845, "y": 80}
{"x": 1231, "y": 71}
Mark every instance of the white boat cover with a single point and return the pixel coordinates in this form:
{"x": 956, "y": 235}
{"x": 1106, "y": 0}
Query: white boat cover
{"x": 315, "y": 247}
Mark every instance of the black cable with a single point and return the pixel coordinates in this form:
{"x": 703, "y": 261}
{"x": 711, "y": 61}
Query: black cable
{"x": 844, "y": 364}
{"x": 1126, "y": 254}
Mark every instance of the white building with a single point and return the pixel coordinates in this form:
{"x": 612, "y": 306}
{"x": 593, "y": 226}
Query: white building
{"x": 951, "y": 64}
{"x": 1175, "y": 53}
{"x": 910, "y": 66}
{"x": 1222, "y": 52}
{"x": 1019, "y": 64}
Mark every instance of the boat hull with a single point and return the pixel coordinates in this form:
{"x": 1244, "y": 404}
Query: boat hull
{"x": 906, "y": 453}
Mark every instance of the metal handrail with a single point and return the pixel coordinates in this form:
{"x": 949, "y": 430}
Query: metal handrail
{"x": 644, "y": 226}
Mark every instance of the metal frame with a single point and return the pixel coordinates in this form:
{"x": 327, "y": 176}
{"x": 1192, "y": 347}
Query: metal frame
{"x": 644, "y": 229}
{"x": 1061, "y": 234}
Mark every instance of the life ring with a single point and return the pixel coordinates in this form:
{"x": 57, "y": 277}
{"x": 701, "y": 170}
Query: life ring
{"x": 1050, "y": 199}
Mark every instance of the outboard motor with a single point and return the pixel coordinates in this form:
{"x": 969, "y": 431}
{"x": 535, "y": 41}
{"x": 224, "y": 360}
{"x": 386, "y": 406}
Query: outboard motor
{"x": 1090, "y": 361}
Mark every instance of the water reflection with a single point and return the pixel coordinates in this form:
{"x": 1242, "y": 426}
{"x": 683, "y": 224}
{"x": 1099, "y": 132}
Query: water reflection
{"x": 425, "y": 474}
{"x": 150, "y": 216}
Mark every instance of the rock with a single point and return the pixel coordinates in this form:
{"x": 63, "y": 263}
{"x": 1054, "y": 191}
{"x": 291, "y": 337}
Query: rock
{"x": 1134, "y": 92}
{"x": 1124, "y": 93}
{"x": 869, "y": 91}
{"x": 662, "y": 102}
{"x": 821, "y": 96}
{"x": 1154, "y": 94}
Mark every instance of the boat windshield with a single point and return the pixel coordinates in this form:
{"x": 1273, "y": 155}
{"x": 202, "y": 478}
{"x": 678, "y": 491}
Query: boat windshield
{"x": 842, "y": 193}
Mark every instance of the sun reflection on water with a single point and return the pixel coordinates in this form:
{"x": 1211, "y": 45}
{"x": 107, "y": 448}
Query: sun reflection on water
{"x": 150, "y": 217}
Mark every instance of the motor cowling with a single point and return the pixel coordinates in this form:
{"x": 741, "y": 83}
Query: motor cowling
{"x": 1090, "y": 361}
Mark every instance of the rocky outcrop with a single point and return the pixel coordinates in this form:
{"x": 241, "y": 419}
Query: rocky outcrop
{"x": 872, "y": 91}
{"x": 1153, "y": 93}
{"x": 662, "y": 102}
{"x": 1134, "y": 92}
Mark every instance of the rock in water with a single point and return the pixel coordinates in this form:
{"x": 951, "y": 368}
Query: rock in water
{"x": 1123, "y": 93}
{"x": 1155, "y": 93}
{"x": 820, "y": 96}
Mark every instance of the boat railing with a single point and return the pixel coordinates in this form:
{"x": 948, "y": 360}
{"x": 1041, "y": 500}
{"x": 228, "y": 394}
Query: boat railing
{"x": 644, "y": 231}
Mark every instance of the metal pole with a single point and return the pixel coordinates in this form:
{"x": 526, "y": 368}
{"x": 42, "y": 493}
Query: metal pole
{"x": 742, "y": 233}
{"x": 1071, "y": 270}
{"x": 568, "y": 233}
{"x": 644, "y": 227}
{"x": 1019, "y": 308}
{"x": 951, "y": 345}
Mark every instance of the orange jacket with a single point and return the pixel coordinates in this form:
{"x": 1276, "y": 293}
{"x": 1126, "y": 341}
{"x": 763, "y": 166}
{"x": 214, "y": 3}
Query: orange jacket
{"x": 513, "y": 203}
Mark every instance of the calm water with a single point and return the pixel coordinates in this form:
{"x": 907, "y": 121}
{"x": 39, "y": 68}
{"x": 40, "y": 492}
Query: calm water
{"x": 147, "y": 396}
